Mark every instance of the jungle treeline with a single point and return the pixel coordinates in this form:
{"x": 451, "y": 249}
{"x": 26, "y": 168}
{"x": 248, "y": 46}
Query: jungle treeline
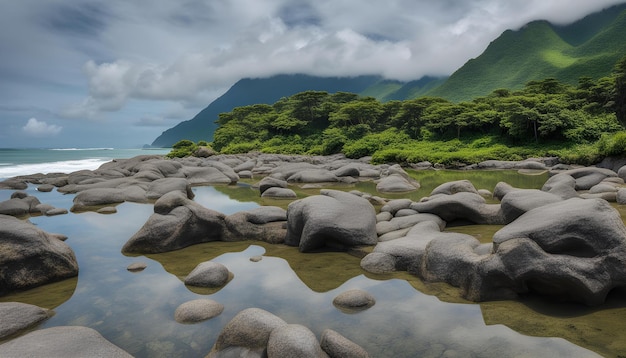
{"x": 579, "y": 123}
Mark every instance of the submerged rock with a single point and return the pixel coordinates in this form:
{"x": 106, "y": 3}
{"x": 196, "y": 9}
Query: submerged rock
{"x": 197, "y": 311}
{"x": 354, "y": 300}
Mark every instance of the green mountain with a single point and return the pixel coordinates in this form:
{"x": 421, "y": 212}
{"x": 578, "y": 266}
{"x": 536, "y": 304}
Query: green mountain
{"x": 539, "y": 50}
{"x": 255, "y": 91}
{"x": 588, "y": 47}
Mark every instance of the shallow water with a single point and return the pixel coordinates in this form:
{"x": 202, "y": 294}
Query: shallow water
{"x": 410, "y": 318}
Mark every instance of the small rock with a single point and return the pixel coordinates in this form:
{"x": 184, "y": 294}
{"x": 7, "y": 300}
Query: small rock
{"x": 137, "y": 266}
{"x": 354, "y": 300}
{"x": 198, "y": 311}
{"x": 45, "y": 188}
{"x": 107, "y": 210}
{"x": 208, "y": 274}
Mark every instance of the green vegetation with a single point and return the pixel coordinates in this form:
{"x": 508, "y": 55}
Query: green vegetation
{"x": 185, "y": 148}
{"x": 588, "y": 47}
{"x": 545, "y": 118}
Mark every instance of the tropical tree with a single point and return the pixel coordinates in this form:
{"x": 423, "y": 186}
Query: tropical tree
{"x": 620, "y": 90}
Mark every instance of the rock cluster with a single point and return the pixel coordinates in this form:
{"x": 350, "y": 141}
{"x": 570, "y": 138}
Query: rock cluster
{"x": 254, "y": 332}
{"x": 563, "y": 241}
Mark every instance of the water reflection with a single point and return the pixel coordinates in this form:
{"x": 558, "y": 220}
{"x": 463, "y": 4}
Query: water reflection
{"x": 411, "y": 318}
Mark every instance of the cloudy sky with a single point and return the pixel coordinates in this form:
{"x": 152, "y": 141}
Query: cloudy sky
{"x": 116, "y": 73}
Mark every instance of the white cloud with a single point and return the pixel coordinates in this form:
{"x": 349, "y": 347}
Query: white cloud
{"x": 399, "y": 39}
{"x": 98, "y": 59}
{"x": 40, "y": 129}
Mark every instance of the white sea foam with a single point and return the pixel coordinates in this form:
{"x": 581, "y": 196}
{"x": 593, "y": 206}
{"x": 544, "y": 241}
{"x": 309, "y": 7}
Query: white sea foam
{"x": 52, "y": 167}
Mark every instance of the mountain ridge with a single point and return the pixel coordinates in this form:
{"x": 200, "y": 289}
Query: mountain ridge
{"x": 538, "y": 50}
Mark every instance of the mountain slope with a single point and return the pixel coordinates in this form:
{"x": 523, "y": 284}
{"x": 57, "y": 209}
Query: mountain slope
{"x": 252, "y": 91}
{"x": 588, "y": 47}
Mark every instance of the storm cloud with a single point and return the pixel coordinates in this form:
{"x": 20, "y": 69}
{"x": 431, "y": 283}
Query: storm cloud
{"x": 132, "y": 63}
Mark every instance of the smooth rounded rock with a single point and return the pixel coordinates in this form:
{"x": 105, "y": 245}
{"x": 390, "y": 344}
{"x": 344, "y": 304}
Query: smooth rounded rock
{"x": 354, "y": 300}
{"x": 197, "y": 311}
{"x": 250, "y": 329}
{"x": 208, "y": 274}
{"x": 63, "y": 341}
{"x": 17, "y": 316}
{"x": 293, "y": 340}
{"x": 338, "y": 346}
{"x": 137, "y": 266}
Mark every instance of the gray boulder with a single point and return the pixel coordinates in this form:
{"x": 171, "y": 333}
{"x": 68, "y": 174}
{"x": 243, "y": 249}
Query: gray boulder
{"x": 461, "y": 206}
{"x": 354, "y": 300}
{"x": 266, "y": 223}
{"x": 64, "y": 341}
{"x": 197, "y": 311}
{"x": 92, "y": 198}
{"x": 394, "y": 205}
{"x": 245, "y": 166}
{"x": 31, "y": 257}
{"x": 348, "y": 170}
{"x": 246, "y": 334}
{"x": 587, "y": 177}
{"x": 317, "y": 175}
{"x": 334, "y": 218}
{"x": 621, "y": 196}
{"x": 449, "y": 257}
{"x": 293, "y": 340}
{"x": 270, "y": 182}
{"x": 562, "y": 184}
{"x": 570, "y": 250}
{"x": 454, "y": 187}
{"x": 404, "y": 222}
{"x": 19, "y": 204}
{"x": 160, "y": 187}
{"x": 17, "y": 317}
{"x": 177, "y": 222}
{"x": 286, "y": 170}
{"x": 205, "y": 176}
{"x": 208, "y": 274}
{"x": 396, "y": 184}
{"x": 517, "y": 202}
{"x": 14, "y": 184}
{"x": 279, "y": 193}
{"x": 137, "y": 266}
{"x": 338, "y": 346}
{"x": 45, "y": 188}
{"x": 405, "y": 252}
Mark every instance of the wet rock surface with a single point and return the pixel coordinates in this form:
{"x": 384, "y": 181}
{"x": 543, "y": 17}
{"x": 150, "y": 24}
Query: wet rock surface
{"x": 254, "y": 332}
{"x": 64, "y": 341}
{"x": 31, "y": 257}
{"x": 564, "y": 241}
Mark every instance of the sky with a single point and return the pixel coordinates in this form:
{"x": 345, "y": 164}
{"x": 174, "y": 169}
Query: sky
{"x": 117, "y": 73}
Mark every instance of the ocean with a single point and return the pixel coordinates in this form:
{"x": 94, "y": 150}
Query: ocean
{"x": 14, "y": 162}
